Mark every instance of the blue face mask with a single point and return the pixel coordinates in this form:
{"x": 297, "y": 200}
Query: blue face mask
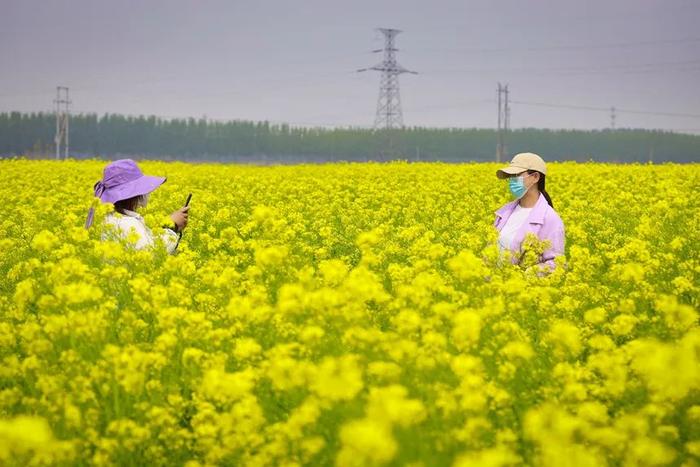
{"x": 517, "y": 186}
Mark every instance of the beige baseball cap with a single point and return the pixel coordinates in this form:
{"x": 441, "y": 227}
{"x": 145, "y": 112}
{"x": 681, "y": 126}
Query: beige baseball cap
{"x": 521, "y": 162}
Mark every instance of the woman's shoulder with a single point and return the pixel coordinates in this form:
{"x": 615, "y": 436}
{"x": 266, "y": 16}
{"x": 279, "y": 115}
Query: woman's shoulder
{"x": 120, "y": 220}
{"x": 509, "y": 206}
{"x": 552, "y": 216}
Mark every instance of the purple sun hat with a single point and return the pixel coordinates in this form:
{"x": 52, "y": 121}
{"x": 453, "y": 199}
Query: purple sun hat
{"x": 122, "y": 179}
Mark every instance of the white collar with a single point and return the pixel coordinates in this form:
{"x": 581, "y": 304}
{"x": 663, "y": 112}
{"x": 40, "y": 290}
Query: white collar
{"x": 134, "y": 214}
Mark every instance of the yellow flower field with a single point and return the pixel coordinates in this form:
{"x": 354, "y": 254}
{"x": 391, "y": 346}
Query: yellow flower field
{"x": 350, "y": 315}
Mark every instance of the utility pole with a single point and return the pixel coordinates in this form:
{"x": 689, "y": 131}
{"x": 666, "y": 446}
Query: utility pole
{"x": 499, "y": 135}
{"x": 503, "y": 121}
{"x": 389, "y": 114}
{"x": 506, "y": 109}
{"x": 612, "y": 118}
{"x": 62, "y": 102}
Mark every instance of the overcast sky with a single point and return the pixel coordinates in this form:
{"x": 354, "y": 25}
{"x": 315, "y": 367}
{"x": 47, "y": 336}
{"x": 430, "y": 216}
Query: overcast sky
{"x": 296, "y": 61}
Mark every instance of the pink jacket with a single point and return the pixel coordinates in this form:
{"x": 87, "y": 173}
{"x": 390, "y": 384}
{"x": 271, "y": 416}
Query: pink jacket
{"x": 543, "y": 221}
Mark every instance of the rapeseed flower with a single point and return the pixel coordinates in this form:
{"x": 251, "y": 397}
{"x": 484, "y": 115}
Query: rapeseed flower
{"x": 350, "y": 314}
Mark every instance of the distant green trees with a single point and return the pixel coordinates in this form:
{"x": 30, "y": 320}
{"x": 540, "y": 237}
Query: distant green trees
{"x": 113, "y": 135}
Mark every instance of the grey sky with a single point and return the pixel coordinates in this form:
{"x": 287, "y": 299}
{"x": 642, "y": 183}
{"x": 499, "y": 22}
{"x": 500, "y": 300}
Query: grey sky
{"x": 295, "y": 61}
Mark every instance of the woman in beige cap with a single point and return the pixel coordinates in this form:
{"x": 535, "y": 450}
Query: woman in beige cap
{"x": 531, "y": 211}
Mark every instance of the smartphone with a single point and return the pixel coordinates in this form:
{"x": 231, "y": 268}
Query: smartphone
{"x": 179, "y": 235}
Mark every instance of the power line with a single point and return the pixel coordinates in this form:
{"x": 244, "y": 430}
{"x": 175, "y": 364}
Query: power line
{"x": 569, "y": 47}
{"x": 636, "y": 67}
{"x": 663, "y": 114}
{"x": 607, "y": 109}
{"x": 452, "y": 105}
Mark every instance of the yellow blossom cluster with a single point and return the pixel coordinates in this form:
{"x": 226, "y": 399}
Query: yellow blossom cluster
{"x": 350, "y": 315}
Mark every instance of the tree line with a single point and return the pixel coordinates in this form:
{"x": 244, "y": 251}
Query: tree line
{"x": 150, "y": 137}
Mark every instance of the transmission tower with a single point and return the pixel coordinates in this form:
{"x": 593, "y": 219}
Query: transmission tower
{"x": 503, "y": 121}
{"x": 612, "y": 118}
{"x": 389, "y": 113}
{"x": 62, "y": 102}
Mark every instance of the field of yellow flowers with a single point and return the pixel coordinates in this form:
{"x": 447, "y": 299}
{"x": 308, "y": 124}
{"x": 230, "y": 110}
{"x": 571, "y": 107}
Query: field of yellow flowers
{"x": 350, "y": 315}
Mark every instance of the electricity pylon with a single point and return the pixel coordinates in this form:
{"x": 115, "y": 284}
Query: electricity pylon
{"x": 389, "y": 114}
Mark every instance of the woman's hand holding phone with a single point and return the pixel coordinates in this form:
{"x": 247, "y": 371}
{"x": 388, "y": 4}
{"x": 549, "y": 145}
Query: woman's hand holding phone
{"x": 180, "y": 218}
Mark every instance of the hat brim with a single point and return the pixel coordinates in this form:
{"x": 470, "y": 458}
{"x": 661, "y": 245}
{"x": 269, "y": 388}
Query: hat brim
{"x": 141, "y": 186}
{"x": 510, "y": 170}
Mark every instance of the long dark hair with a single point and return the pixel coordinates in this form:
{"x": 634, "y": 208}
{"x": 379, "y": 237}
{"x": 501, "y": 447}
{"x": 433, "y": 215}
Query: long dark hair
{"x": 129, "y": 203}
{"x": 541, "y": 185}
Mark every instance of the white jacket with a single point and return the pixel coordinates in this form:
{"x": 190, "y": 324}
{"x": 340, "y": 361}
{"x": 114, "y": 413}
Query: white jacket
{"x": 123, "y": 225}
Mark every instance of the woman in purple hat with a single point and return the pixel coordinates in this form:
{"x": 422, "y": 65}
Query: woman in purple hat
{"x": 124, "y": 185}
